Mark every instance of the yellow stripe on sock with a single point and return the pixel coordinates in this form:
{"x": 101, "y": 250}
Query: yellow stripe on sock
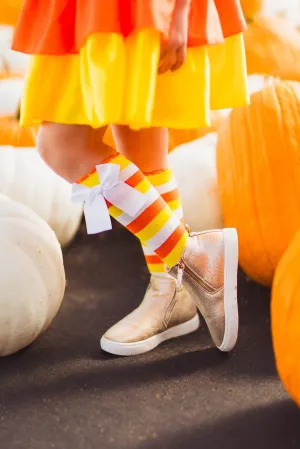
{"x": 143, "y": 186}
{"x": 175, "y": 204}
{"x": 157, "y": 268}
{"x": 115, "y": 212}
{"x": 156, "y": 224}
{"x": 157, "y": 179}
{"x": 121, "y": 161}
{"x": 91, "y": 180}
{"x": 175, "y": 255}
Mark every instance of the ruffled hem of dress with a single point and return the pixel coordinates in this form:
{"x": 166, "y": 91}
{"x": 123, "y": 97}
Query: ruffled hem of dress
{"x": 112, "y": 81}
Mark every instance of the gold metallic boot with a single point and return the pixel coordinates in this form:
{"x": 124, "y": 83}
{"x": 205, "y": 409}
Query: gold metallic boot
{"x": 164, "y": 313}
{"x": 208, "y": 271}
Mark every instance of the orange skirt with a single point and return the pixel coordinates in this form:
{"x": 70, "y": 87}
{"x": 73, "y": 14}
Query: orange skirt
{"x": 62, "y": 26}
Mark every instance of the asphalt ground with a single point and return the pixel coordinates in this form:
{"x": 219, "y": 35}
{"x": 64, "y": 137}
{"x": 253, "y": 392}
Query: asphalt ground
{"x": 63, "y": 392}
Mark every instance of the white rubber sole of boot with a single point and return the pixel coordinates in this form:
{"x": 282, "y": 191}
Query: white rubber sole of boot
{"x": 140, "y": 347}
{"x": 230, "y": 290}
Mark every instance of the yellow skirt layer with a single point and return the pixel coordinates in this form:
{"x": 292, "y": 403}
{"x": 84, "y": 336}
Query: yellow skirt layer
{"x": 115, "y": 81}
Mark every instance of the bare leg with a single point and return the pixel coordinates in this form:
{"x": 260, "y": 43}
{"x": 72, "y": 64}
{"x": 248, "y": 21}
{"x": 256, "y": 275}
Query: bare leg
{"x": 72, "y": 150}
{"x": 147, "y": 148}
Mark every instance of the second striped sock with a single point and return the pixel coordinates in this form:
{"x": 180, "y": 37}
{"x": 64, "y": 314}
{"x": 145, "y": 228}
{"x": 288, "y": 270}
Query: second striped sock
{"x": 166, "y": 186}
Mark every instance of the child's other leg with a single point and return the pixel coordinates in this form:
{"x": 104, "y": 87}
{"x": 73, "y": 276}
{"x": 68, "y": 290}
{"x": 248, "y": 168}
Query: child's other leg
{"x": 148, "y": 149}
{"x": 164, "y": 312}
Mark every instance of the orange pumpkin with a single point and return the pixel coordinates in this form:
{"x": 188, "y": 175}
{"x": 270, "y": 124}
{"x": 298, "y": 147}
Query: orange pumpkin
{"x": 251, "y": 8}
{"x": 13, "y": 135}
{"x": 273, "y": 48}
{"x": 9, "y": 11}
{"x": 10, "y": 93}
{"x": 258, "y": 164}
{"x": 178, "y": 136}
{"x": 285, "y": 313}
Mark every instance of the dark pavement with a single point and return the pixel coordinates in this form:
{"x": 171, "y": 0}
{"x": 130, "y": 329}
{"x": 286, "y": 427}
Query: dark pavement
{"x": 63, "y": 392}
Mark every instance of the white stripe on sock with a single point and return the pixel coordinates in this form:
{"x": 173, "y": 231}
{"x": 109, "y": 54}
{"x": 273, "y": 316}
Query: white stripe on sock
{"x": 128, "y": 171}
{"x": 151, "y": 195}
{"x": 148, "y": 251}
{"x": 178, "y": 213}
{"x": 167, "y": 187}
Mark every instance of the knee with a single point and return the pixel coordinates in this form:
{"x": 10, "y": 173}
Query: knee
{"x": 61, "y": 147}
{"x": 52, "y": 141}
{"x": 42, "y": 145}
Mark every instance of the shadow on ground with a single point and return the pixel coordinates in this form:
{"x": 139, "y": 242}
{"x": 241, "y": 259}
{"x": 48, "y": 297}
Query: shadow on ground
{"x": 247, "y": 430}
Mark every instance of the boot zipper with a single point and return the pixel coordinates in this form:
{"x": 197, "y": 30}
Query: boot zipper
{"x": 180, "y": 271}
{"x": 182, "y": 267}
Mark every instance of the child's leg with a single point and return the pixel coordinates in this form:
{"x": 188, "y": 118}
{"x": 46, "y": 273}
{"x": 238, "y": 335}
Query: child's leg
{"x": 72, "y": 150}
{"x": 139, "y": 148}
{"x": 165, "y": 184}
{"x": 147, "y": 148}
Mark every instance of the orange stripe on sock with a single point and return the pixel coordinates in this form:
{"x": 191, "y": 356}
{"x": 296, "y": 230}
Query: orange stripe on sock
{"x": 153, "y": 260}
{"x": 145, "y": 218}
{"x": 165, "y": 249}
{"x": 135, "y": 179}
{"x": 170, "y": 196}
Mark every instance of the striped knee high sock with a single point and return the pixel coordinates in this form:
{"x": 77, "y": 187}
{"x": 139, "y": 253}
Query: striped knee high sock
{"x": 154, "y": 223}
{"x": 165, "y": 184}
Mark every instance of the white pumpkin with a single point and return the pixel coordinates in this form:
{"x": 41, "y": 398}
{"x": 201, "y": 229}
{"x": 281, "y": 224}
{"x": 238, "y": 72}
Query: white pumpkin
{"x": 10, "y": 95}
{"x": 258, "y": 82}
{"x": 25, "y": 178}
{"x": 32, "y": 277}
{"x": 194, "y": 167}
{"x": 13, "y": 62}
{"x": 290, "y": 9}
{"x": 6, "y": 36}
{"x": 10, "y": 61}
